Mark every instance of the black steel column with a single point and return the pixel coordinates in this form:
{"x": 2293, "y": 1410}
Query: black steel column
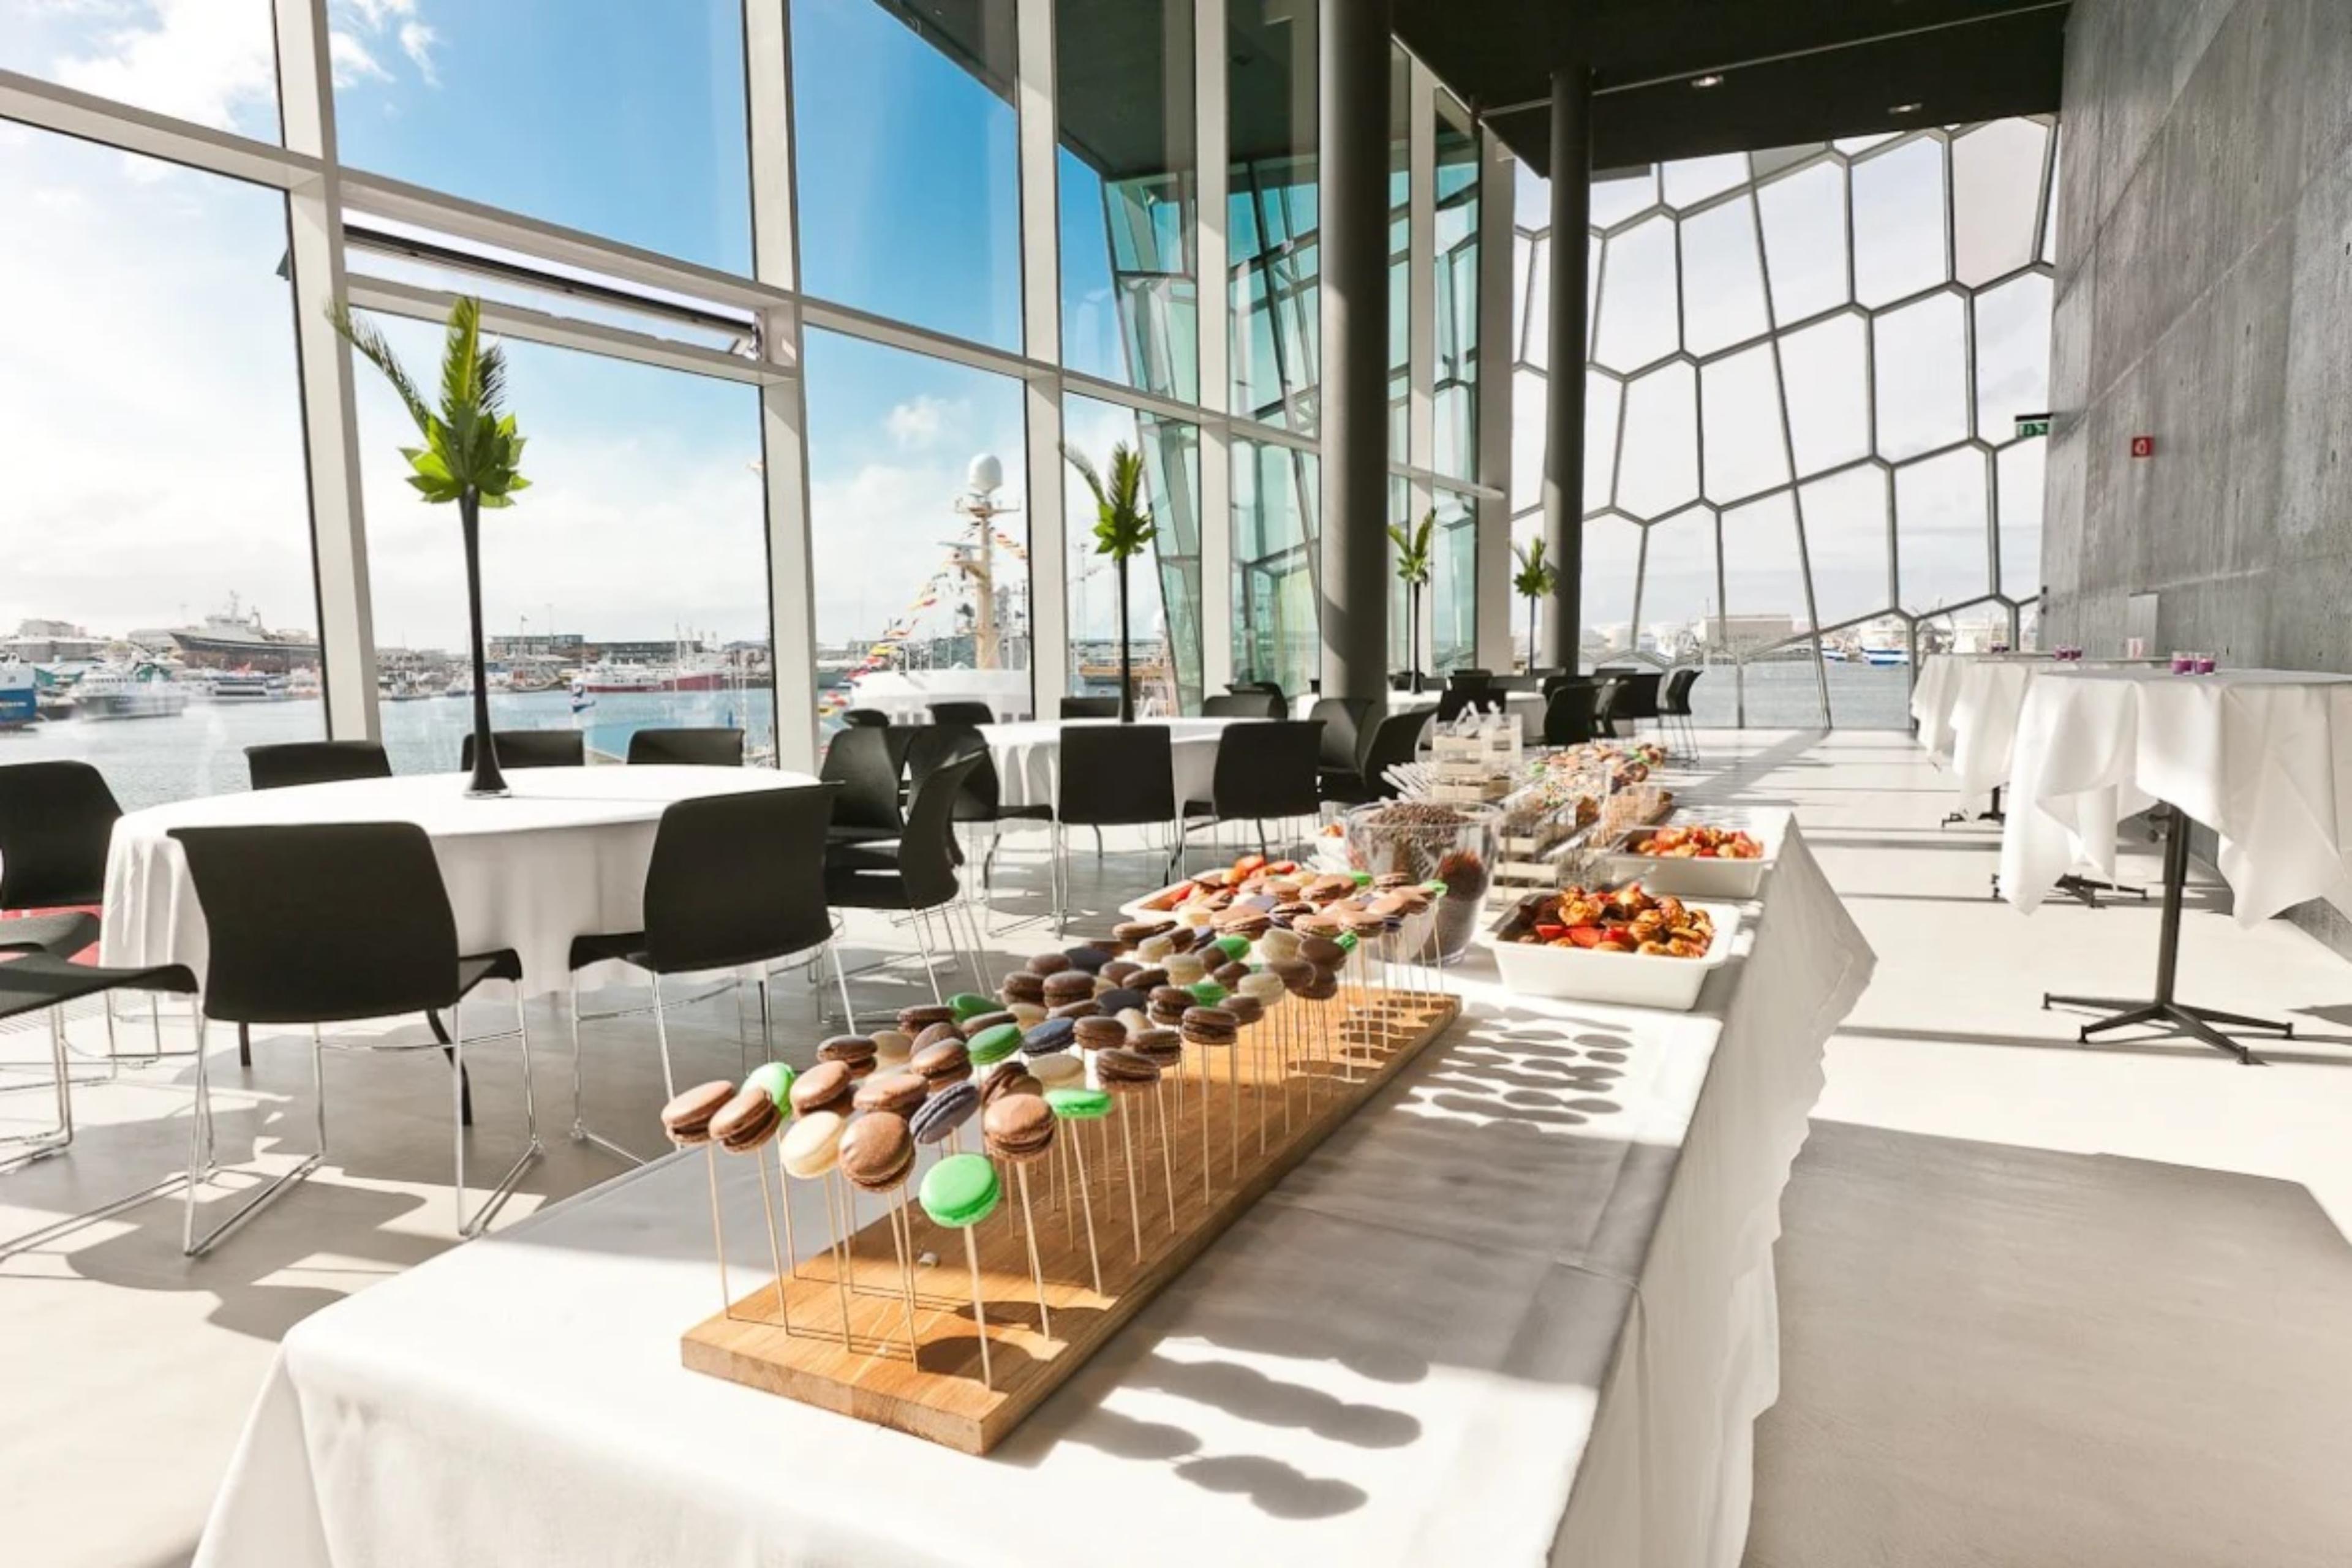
{"x": 1563, "y": 482}
{"x": 1354, "y": 246}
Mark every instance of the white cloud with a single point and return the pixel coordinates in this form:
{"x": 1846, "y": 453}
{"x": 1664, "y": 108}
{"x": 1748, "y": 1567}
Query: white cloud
{"x": 417, "y": 41}
{"x": 375, "y": 13}
{"x": 922, "y": 421}
{"x": 198, "y": 59}
{"x": 351, "y": 61}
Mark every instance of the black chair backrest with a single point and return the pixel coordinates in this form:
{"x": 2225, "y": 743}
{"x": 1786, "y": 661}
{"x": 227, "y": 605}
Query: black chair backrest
{"x": 1267, "y": 769}
{"x": 934, "y": 746}
{"x": 1243, "y": 705}
{"x": 1272, "y": 688}
{"x": 863, "y": 762}
{"x": 709, "y": 748}
{"x": 1089, "y": 708}
{"x": 1117, "y": 775}
{"x": 1634, "y": 695}
{"x": 962, "y": 713}
{"x": 1470, "y": 677}
{"x": 1512, "y": 682}
{"x": 531, "y": 748}
{"x": 737, "y": 878}
{"x": 1675, "y": 700}
{"x": 293, "y": 762}
{"x": 1552, "y": 683}
{"x": 927, "y": 851}
{"x": 1344, "y": 730}
{"x": 865, "y": 718}
{"x": 1572, "y": 714}
{"x": 1395, "y": 741}
{"x": 1456, "y": 700}
{"x": 321, "y": 922}
{"x": 55, "y": 821}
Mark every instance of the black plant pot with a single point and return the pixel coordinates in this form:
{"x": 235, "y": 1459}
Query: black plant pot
{"x": 488, "y": 780}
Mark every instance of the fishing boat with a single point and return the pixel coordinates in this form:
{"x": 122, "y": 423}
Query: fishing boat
{"x": 128, "y": 691}
{"x": 246, "y": 686}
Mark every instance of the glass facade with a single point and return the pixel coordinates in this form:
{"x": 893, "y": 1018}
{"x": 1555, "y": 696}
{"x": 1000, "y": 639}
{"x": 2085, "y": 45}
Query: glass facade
{"x": 1277, "y": 573}
{"x": 1806, "y": 368}
{"x": 1163, "y": 586}
{"x": 1270, "y": 225}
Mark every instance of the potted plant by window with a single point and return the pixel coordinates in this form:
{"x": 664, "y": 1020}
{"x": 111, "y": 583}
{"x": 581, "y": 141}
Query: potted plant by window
{"x": 1123, "y": 530}
{"x": 1412, "y": 561}
{"x": 470, "y": 456}
{"x": 1535, "y": 578}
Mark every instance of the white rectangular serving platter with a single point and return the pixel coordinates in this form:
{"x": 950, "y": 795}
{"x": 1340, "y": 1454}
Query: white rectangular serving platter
{"x": 1700, "y": 879}
{"x": 1625, "y": 979}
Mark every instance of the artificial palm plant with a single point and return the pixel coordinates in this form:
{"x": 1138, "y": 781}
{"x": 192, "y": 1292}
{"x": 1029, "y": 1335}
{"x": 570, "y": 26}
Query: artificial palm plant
{"x": 1412, "y": 561}
{"x": 1535, "y": 579}
{"x": 471, "y": 456}
{"x": 1123, "y": 530}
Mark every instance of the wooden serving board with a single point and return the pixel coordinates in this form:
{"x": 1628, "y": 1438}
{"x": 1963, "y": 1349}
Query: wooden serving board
{"x": 939, "y": 1392}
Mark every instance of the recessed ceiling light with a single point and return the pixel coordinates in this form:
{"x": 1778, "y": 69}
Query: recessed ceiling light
{"x": 1903, "y": 109}
{"x": 1708, "y": 80}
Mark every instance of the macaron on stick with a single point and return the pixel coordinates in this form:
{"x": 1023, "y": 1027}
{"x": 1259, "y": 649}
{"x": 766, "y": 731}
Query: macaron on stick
{"x": 1036, "y": 1269}
{"x": 1134, "y": 1208}
{"x": 1167, "y": 1159}
{"x": 1072, "y": 1105}
{"x": 902, "y": 1234}
{"x": 960, "y": 1192}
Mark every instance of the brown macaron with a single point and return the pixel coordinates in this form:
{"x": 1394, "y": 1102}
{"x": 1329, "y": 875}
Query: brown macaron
{"x": 1089, "y": 1008}
{"x": 973, "y": 1026}
{"x": 746, "y": 1121}
{"x": 855, "y": 1052}
{"x": 1023, "y": 986}
{"x": 1007, "y": 1080}
{"x": 1144, "y": 978}
{"x": 1229, "y": 974}
{"x": 828, "y": 1085}
{"x": 899, "y": 1092}
{"x": 1321, "y": 952}
{"x": 1321, "y": 988}
{"x": 915, "y": 1020}
{"x": 1123, "y": 1071}
{"x": 878, "y": 1151}
{"x": 1133, "y": 932}
{"x": 942, "y": 1062}
{"x": 687, "y": 1118}
{"x": 1209, "y": 1027}
{"x": 1069, "y": 985}
{"x": 933, "y": 1034}
{"x": 1117, "y": 970}
{"x": 1243, "y": 922}
{"x": 1049, "y": 963}
{"x": 1096, "y": 1033}
{"x": 1017, "y": 1128}
{"x": 1182, "y": 938}
{"x": 1246, "y": 1010}
{"x": 1165, "y": 1047}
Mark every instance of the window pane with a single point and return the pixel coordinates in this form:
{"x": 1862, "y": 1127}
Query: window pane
{"x": 1920, "y": 354}
{"x": 1996, "y": 190}
{"x": 1638, "y": 314}
{"x": 1740, "y": 402}
{"x": 1942, "y": 549}
{"x": 1163, "y": 584}
{"x": 1401, "y": 300}
{"x": 1453, "y": 584}
{"x": 625, "y": 589}
{"x": 919, "y": 567}
{"x": 1680, "y": 591}
{"x": 2020, "y": 467}
{"x": 2012, "y": 355}
{"x": 1829, "y": 394}
{"x": 1457, "y": 292}
{"x": 1846, "y": 540}
{"x": 215, "y": 63}
{"x": 1613, "y": 200}
{"x": 1271, "y": 222}
{"x": 904, "y": 141}
{"x": 1763, "y": 575}
{"x": 1658, "y": 469}
{"x": 621, "y": 119}
{"x": 1804, "y": 241}
{"x": 155, "y": 519}
{"x": 1613, "y": 556}
{"x": 1277, "y": 635}
{"x": 1692, "y": 180}
{"x": 1123, "y": 86}
{"x": 1898, "y": 222}
{"x": 1723, "y": 281}
{"x": 1602, "y": 397}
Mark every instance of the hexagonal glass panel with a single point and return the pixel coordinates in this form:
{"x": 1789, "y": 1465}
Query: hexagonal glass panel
{"x": 1722, "y": 278}
{"x": 1804, "y": 241}
{"x": 1825, "y": 368}
{"x": 1530, "y": 295}
{"x": 1853, "y": 145}
{"x": 1681, "y": 589}
{"x": 1898, "y": 222}
{"x": 1657, "y": 466}
{"x": 1919, "y": 358}
{"x": 2012, "y": 355}
{"x": 1996, "y": 197}
{"x": 1638, "y": 310}
{"x": 1773, "y": 160}
{"x": 1603, "y": 396}
{"x": 1847, "y": 539}
{"x": 1528, "y": 390}
{"x": 1692, "y": 180}
{"x": 1612, "y": 559}
{"x": 1763, "y": 575}
{"x": 2021, "y": 468}
{"x": 1740, "y": 414}
{"x": 1942, "y": 548}
{"x": 1616, "y": 199}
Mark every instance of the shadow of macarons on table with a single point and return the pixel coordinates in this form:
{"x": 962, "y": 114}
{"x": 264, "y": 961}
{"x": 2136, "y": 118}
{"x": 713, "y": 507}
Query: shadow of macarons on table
{"x": 1516, "y": 1307}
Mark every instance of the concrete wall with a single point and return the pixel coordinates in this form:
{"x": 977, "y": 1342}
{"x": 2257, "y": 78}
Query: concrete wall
{"x": 2204, "y": 267}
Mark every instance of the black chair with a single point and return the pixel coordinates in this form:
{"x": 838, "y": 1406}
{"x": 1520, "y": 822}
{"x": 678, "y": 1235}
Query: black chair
{"x": 46, "y": 980}
{"x": 1608, "y": 683}
{"x": 1270, "y": 688}
{"x": 1572, "y": 714}
{"x": 1115, "y": 775}
{"x": 1628, "y": 696}
{"x": 1346, "y": 728}
{"x": 1674, "y": 705}
{"x": 865, "y": 719}
{"x": 294, "y": 763}
{"x": 866, "y": 761}
{"x": 1456, "y": 700}
{"x": 1243, "y": 705}
{"x": 1527, "y": 683}
{"x": 1089, "y": 708}
{"x": 736, "y": 880}
{"x": 703, "y": 748}
{"x": 289, "y": 944}
{"x": 981, "y": 800}
{"x": 1265, "y": 771}
{"x": 962, "y": 713}
{"x": 1394, "y": 740}
{"x": 531, "y": 748}
{"x": 919, "y": 876}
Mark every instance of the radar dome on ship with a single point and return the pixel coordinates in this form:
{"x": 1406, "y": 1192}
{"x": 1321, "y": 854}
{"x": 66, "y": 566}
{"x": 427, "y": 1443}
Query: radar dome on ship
{"x": 985, "y": 475}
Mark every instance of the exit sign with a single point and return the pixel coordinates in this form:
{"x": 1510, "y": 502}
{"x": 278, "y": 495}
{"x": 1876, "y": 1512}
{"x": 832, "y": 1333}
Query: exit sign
{"x": 2033, "y": 424}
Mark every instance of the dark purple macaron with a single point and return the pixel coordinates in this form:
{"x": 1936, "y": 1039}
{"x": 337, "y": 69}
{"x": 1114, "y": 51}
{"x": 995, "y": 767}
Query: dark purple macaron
{"x": 945, "y": 1112}
{"x": 1053, "y": 1035}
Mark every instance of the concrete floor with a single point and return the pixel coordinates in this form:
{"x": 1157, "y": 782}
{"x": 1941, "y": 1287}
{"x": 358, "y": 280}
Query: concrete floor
{"x": 2042, "y": 1303}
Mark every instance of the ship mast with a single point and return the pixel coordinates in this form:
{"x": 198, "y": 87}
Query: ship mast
{"x": 976, "y": 557}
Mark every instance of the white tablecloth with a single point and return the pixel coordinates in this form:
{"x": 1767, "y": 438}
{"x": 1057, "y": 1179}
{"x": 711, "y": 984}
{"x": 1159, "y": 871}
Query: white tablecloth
{"x": 906, "y": 695}
{"x": 1527, "y": 706}
{"x": 1029, "y": 756}
{"x": 2263, "y": 757}
{"x": 564, "y": 855}
{"x": 1980, "y": 723}
{"x": 1520, "y": 1310}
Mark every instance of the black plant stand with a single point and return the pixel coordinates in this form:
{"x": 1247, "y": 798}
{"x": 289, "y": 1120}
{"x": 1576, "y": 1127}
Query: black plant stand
{"x": 2162, "y": 1010}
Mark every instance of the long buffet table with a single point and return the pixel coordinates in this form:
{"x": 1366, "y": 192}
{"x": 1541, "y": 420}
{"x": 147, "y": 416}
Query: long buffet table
{"x": 1521, "y": 1308}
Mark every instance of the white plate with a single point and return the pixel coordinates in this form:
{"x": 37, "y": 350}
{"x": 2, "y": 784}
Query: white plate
{"x": 1628, "y": 979}
{"x": 1699, "y": 878}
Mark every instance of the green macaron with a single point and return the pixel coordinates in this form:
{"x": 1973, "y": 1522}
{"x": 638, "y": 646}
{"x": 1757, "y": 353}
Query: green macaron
{"x": 1346, "y": 939}
{"x": 966, "y": 1005}
{"x": 1232, "y": 946}
{"x": 1208, "y": 993}
{"x": 961, "y": 1190}
{"x": 1078, "y": 1104}
{"x": 993, "y": 1044}
{"x": 1363, "y": 879}
{"x": 777, "y": 1079}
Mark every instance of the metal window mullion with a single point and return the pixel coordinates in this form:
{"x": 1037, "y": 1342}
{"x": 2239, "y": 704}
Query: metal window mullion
{"x": 29, "y": 100}
{"x": 1213, "y": 317}
{"x": 1050, "y": 661}
{"x": 1492, "y": 396}
{"x": 329, "y": 407}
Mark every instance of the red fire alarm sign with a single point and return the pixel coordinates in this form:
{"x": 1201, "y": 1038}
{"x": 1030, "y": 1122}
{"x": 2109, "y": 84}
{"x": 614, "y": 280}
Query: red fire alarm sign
{"x": 2143, "y": 446}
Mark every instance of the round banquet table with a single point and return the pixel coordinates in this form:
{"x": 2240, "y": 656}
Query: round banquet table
{"x": 564, "y": 855}
{"x": 1028, "y": 756}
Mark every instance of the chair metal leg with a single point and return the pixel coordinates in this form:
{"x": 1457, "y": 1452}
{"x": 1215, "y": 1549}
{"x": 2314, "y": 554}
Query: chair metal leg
{"x": 244, "y": 1046}
{"x": 661, "y": 1034}
{"x": 767, "y": 1024}
{"x": 41, "y": 1145}
{"x": 470, "y": 1226}
{"x": 923, "y": 940}
{"x": 581, "y": 1132}
{"x": 848, "y": 1013}
{"x": 201, "y": 1165}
